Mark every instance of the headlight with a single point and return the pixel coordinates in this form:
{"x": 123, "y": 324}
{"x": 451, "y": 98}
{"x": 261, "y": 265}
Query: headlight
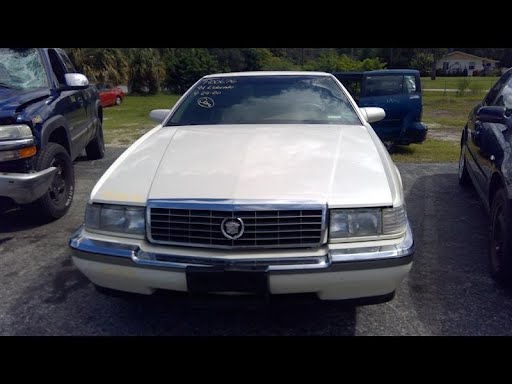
{"x": 14, "y": 132}
{"x": 115, "y": 218}
{"x": 355, "y": 223}
{"x": 366, "y": 222}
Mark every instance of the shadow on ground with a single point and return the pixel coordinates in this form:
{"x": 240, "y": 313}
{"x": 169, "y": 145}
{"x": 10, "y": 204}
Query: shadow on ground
{"x": 449, "y": 284}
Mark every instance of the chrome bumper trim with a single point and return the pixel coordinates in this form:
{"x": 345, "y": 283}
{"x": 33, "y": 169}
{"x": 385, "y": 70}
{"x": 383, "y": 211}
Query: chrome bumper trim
{"x": 335, "y": 259}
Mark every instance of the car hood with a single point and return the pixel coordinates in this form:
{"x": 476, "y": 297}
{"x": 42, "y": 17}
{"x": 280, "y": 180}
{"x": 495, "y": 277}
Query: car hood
{"x": 337, "y": 164}
{"x": 12, "y": 100}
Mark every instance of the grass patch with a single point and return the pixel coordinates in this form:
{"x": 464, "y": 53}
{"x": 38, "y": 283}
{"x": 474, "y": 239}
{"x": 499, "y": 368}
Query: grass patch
{"x": 485, "y": 83}
{"x": 124, "y": 124}
{"x": 448, "y": 111}
{"x": 431, "y": 151}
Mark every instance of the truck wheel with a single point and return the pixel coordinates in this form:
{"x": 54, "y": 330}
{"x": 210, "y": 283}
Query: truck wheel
{"x": 96, "y": 147}
{"x": 118, "y": 100}
{"x": 57, "y": 199}
{"x": 501, "y": 239}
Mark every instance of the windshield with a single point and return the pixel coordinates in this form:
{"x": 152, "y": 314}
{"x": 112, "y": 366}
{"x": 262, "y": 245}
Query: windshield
{"x": 284, "y": 99}
{"x": 21, "y": 69}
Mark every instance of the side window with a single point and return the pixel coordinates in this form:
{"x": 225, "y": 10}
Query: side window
{"x": 384, "y": 85}
{"x": 57, "y": 68}
{"x": 492, "y": 96}
{"x": 353, "y": 86}
{"x": 67, "y": 63}
{"x": 409, "y": 84}
{"x": 504, "y": 98}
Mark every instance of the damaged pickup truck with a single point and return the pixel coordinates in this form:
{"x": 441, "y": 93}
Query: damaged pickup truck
{"x": 48, "y": 115}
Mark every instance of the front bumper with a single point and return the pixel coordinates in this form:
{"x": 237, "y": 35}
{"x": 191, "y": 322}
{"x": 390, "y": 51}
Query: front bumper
{"x": 25, "y": 188}
{"x": 414, "y": 134}
{"x": 333, "y": 272}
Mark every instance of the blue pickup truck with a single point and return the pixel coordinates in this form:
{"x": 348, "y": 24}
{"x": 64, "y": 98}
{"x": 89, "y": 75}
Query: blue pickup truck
{"x": 48, "y": 115}
{"x": 398, "y": 92}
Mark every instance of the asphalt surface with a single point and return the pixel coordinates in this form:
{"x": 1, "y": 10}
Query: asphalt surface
{"x": 448, "y": 292}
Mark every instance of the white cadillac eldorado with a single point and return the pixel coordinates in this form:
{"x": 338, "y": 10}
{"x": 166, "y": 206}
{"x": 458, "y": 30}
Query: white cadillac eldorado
{"x": 255, "y": 182}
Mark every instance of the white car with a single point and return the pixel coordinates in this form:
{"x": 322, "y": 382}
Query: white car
{"x": 255, "y": 182}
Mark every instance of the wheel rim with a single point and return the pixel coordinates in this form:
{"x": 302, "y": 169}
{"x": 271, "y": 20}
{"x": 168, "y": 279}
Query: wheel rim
{"x": 57, "y": 189}
{"x": 498, "y": 239}
{"x": 462, "y": 161}
{"x": 118, "y": 100}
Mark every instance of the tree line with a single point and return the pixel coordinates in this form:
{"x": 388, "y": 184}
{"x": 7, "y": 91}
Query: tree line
{"x": 149, "y": 70}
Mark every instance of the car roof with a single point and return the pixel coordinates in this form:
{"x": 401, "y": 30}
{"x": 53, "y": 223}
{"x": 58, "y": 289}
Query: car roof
{"x": 397, "y": 71}
{"x": 378, "y": 72}
{"x": 269, "y": 73}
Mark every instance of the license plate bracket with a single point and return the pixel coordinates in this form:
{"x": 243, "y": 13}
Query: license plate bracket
{"x": 210, "y": 280}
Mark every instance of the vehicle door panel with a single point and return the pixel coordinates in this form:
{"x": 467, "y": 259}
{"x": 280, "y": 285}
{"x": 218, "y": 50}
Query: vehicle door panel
{"x": 481, "y": 133}
{"x": 86, "y": 100}
{"x": 386, "y": 91}
{"x": 475, "y": 160}
{"x": 70, "y": 104}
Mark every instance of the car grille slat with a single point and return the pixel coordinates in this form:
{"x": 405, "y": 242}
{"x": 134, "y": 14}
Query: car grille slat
{"x": 263, "y": 228}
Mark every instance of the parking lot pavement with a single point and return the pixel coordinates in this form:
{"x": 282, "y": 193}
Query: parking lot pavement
{"x": 448, "y": 292}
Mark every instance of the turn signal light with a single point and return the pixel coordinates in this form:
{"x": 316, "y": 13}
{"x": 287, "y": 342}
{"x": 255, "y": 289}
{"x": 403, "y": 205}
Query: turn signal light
{"x": 18, "y": 153}
{"x": 27, "y": 152}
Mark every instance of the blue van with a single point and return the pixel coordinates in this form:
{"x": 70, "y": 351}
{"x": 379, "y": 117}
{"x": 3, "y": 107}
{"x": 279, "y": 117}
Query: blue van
{"x": 398, "y": 92}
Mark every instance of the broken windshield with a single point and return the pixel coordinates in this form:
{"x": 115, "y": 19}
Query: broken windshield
{"x": 21, "y": 69}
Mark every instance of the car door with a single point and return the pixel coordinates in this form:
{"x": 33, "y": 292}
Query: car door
{"x": 86, "y": 95}
{"x": 484, "y": 139}
{"x": 70, "y": 103}
{"x": 386, "y": 91}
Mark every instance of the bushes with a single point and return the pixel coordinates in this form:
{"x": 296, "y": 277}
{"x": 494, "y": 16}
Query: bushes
{"x": 462, "y": 85}
{"x": 184, "y": 66}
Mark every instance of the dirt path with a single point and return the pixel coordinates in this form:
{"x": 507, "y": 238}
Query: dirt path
{"x": 439, "y": 133}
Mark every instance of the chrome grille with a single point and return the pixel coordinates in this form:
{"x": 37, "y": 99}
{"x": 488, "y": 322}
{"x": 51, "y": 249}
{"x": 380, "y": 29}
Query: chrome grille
{"x": 267, "y": 228}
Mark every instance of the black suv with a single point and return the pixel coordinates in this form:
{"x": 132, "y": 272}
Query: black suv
{"x": 48, "y": 115}
{"x": 486, "y": 162}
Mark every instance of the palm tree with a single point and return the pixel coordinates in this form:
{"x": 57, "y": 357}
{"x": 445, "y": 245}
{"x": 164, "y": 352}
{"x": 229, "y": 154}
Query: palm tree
{"x": 103, "y": 65}
{"x": 145, "y": 70}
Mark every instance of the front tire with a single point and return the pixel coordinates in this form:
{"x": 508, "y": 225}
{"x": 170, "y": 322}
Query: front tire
{"x": 58, "y": 198}
{"x": 464, "y": 179}
{"x": 118, "y": 100}
{"x": 500, "y": 252}
{"x": 96, "y": 147}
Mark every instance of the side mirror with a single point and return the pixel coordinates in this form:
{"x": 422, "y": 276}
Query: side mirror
{"x": 76, "y": 80}
{"x": 492, "y": 115}
{"x": 159, "y": 115}
{"x": 373, "y": 114}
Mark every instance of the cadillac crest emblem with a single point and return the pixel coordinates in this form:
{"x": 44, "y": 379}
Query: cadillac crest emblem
{"x": 232, "y": 228}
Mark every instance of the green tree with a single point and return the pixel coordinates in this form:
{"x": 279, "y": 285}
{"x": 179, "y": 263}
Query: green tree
{"x": 229, "y": 59}
{"x": 145, "y": 71}
{"x": 332, "y": 62}
{"x": 437, "y": 53}
{"x": 422, "y": 61}
{"x": 102, "y": 65}
{"x": 184, "y": 66}
{"x": 269, "y": 62}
